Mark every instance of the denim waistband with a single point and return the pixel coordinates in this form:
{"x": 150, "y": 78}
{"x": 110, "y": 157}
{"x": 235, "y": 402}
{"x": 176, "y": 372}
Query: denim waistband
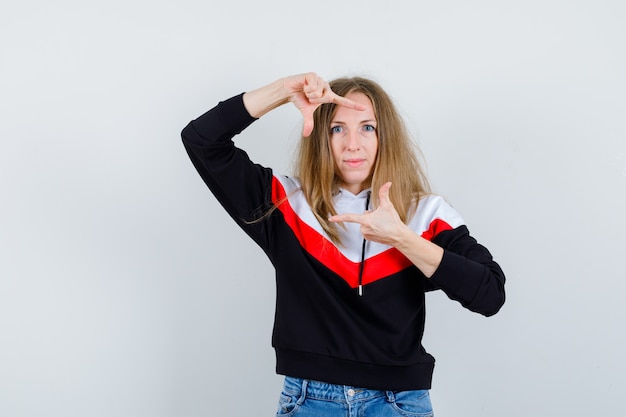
{"x": 331, "y": 392}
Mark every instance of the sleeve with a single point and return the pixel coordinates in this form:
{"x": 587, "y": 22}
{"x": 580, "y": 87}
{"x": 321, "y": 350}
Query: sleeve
{"x": 242, "y": 187}
{"x": 467, "y": 272}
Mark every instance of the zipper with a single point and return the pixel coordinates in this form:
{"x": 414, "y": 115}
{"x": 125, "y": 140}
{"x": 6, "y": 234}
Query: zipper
{"x": 362, "y": 264}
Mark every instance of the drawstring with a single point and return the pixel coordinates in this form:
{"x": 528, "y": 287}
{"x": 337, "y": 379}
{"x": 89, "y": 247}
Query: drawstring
{"x": 362, "y": 265}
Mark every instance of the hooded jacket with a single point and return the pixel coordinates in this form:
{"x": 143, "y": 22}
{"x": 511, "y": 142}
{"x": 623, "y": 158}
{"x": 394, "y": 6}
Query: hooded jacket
{"x": 324, "y": 329}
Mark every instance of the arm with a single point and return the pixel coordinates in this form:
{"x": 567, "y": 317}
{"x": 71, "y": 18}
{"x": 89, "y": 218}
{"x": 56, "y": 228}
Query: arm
{"x": 467, "y": 273}
{"x": 242, "y": 187}
{"x": 453, "y": 261}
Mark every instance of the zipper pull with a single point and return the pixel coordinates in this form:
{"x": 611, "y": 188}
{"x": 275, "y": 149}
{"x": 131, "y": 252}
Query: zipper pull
{"x": 360, "y": 290}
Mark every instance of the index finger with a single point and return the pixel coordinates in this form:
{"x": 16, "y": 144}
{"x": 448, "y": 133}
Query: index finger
{"x": 348, "y": 217}
{"x": 346, "y": 102}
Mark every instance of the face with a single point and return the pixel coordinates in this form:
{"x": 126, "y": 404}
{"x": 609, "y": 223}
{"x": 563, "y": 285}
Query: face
{"x": 354, "y": 143}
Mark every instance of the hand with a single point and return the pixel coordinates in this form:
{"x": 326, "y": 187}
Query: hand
{"x": 309, "y": 91}
{"x": 382, "y": 225}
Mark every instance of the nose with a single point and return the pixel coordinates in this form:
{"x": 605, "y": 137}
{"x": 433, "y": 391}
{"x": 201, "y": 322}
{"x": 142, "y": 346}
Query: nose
{"x": 354, "y": 142}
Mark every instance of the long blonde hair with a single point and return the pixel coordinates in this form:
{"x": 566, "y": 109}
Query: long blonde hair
{"x": 396, "y": 160}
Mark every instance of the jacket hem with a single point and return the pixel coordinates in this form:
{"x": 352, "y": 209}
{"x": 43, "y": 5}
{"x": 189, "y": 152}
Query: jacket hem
{"x": 359, "y": 374}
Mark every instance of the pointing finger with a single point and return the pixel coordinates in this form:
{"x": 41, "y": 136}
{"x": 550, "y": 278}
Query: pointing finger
{"x": 352, "y": 218}
{"x": 346, "y": 102}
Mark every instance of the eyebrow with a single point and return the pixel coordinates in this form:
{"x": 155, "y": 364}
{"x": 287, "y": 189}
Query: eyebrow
{"x": 339, "y": 122}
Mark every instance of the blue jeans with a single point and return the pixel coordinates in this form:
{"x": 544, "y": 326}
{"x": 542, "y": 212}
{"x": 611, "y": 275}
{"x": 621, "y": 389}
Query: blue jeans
{"x": 306, "y": 398}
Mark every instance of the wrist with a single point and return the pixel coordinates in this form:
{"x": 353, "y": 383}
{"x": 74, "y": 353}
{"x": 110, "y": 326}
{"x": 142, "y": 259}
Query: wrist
{"x": 262, "y": 100}
{"x": 423, "y": 253}
{"x": 405, "y": 238}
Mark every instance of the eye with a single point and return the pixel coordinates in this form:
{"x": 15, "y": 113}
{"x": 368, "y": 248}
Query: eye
{"x": 369, "y": 128}
{"x": 336, "y": 129}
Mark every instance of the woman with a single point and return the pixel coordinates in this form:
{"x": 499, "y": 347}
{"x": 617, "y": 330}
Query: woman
{"x": 355, "y": 238}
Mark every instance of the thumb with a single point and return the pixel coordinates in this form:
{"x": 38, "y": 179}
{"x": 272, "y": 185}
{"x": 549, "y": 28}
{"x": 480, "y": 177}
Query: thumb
{"x": 383, "y": 193}
{"x": 307, "y": 129}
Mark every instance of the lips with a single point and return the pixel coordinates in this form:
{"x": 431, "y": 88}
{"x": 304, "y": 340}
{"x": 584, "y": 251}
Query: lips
{"x": 354, "y": 162}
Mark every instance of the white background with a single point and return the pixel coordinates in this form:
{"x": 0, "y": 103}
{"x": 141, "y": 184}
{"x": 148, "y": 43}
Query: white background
{"x": 125, "y": 290}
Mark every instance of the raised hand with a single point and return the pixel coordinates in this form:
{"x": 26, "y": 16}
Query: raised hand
{"x": 306, "y": 91}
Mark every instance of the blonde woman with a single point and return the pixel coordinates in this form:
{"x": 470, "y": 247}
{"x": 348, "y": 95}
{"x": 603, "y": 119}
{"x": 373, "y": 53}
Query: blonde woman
{"x": 356, "y": 239}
